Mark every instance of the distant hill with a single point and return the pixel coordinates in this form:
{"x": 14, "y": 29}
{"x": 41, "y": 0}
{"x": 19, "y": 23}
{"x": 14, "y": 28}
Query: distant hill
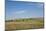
{"x": 26, "y": 19}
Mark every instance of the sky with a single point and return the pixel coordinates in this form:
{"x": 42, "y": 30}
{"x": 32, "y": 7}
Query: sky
{"x": 23, "y": 9}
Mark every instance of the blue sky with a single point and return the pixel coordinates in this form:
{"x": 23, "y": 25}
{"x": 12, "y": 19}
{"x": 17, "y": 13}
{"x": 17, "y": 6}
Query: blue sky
{"x": 21, "y": 9}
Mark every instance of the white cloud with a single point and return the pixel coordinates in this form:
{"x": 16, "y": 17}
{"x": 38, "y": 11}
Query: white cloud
{"x": 20, "y": 12}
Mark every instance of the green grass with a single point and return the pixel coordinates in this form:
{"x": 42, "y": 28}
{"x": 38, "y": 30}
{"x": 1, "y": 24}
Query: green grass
{"x": 22, "y": 24}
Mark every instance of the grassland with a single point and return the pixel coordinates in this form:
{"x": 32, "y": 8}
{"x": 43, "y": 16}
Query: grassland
{"x": 23, "y": 24}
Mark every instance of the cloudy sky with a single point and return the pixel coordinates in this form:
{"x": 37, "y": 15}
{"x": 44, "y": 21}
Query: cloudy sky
{"x": 22, "y": 9}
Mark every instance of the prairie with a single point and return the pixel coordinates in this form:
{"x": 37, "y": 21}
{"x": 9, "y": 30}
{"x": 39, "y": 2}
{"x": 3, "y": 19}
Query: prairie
{"x": 24, "y": 24}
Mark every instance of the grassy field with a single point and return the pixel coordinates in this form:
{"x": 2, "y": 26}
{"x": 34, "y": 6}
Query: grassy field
{"x": 23, "y": 24}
